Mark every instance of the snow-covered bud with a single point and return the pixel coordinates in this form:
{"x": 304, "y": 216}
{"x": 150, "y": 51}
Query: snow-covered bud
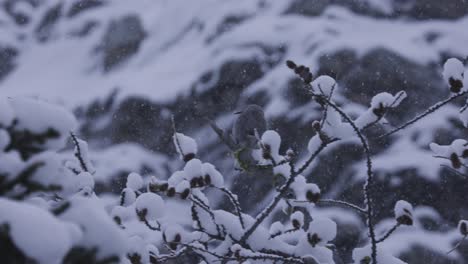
{"x": 207, "y": 179}
{"x": 380, "y": 103}
{"x": 127, "y": 197}
{"x": 456, "y": 150}
{"x": 171, "y": 192}
{"x": 297, "y": 219}
{"x": 156, "y": 185}
{"x": 453, "y": 74}
{"x": 149, "y": 206}
{"x": 176, "y": 177}
{"x": 455, "y": 161}
{"x": 316, "y": 126}
{"x": 271, "y": 142}
{"x": 276, "y": 228}
{"x": 84, "y": 180}
{"x": 185, "y": 146}
{"x": 134, "y": 181}
{"x": 324, "y": 85}
{"x": 463, "y": 227}
{"x": 183, "y": 188}
{"x": 197, "y": 182}
{"x": 137, "y": 252}
{"x": 120, "y": 214}
{"x": 312, "y": 193}
{"x": 290, "y": 154}
{"x": 86, "y": 191}
{"x": 305, "y": 191}
{"x": 236, "y": 250}
{"x": 321, "y": 231}
{"x": 173, "y": 236}
{"x": 404, "y": 213}
{"x": 212, "y": 176}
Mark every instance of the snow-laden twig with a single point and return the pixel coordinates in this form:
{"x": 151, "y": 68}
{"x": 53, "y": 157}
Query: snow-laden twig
{"x": 429, "y": 111}
{"x": 369, "y": 181}
{"x": 176, "y": 138}
{"x": 235, "y": 203}
{"x": 22, "y": 177}
{"x": 78, "y": 153}
{"x": 282, "y": 192}
{"x": 195, "y": 199}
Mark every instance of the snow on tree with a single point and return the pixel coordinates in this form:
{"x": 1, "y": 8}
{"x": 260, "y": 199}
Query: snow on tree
{"x": 50, "y": 213}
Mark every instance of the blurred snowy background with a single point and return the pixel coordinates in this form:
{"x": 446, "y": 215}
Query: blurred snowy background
{"x": 123, "y": 67}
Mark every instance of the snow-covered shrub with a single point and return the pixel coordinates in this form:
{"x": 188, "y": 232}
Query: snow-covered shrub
{"x": 49, "y": 212}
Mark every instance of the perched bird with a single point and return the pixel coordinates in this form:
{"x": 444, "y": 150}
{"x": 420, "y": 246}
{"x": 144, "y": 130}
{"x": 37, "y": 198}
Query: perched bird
{"x": 250, "y": 119}
{"x": 243, "y": 138}
{"x": 251, "y": 183}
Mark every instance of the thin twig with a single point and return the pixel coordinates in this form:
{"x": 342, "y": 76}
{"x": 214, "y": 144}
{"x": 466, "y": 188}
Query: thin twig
{"x": 282, "y": 192}
{"x": 369, "y": 182}
{"x": 222, "y": 135}
{"x": 426, "y": 113}
{"x": 343, "y": 203}
{"x": 22, "y": 177}
{"x": 157, "y": 228}
{"x": 457, "y": 245}
{"x": 235, "y": 203}
{"x": 454, "y": 171}
{"x": 389, "y": 232}
{"x": 176, "y": 138}
{"x": 78, "y": 154}
{"x": 205, "y": 207}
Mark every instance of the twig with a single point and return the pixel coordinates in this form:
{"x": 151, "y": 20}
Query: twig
{"x": 426, "y": 113}
{"x": 457, "y": 245}
{"x": 205, "y": 207}
{"x": 285, "y": 232}
{"x": 454, "y": 171}
{"x": 176, "y": 138}
{"x": 78, "y": 154}
{"x": 311, "y": 158}
{"x": 283, "y": 190}
{"x": 222, "y": 135}
{"x": 22, "y": 177}
{"x": 342, "y": 203}
{"x": 369, "y": 182}
{"x": 157, "y": 228}
{"x": 389, "y": 232}
{"x": 234, "y": 202}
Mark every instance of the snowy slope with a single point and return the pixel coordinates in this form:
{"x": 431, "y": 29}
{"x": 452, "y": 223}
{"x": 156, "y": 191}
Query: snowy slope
{"x": 185, "y": 40}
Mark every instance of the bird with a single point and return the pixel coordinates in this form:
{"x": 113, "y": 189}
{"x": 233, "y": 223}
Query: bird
{"x": 250, "y": 121}
{"x": 244, "y": 135}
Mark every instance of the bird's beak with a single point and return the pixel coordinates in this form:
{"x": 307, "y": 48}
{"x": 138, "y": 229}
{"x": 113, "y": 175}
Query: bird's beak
{"x": 238, "y": 113}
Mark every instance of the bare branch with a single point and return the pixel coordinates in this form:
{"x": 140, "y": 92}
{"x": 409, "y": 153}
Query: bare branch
{"x": 429, "y": 111}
